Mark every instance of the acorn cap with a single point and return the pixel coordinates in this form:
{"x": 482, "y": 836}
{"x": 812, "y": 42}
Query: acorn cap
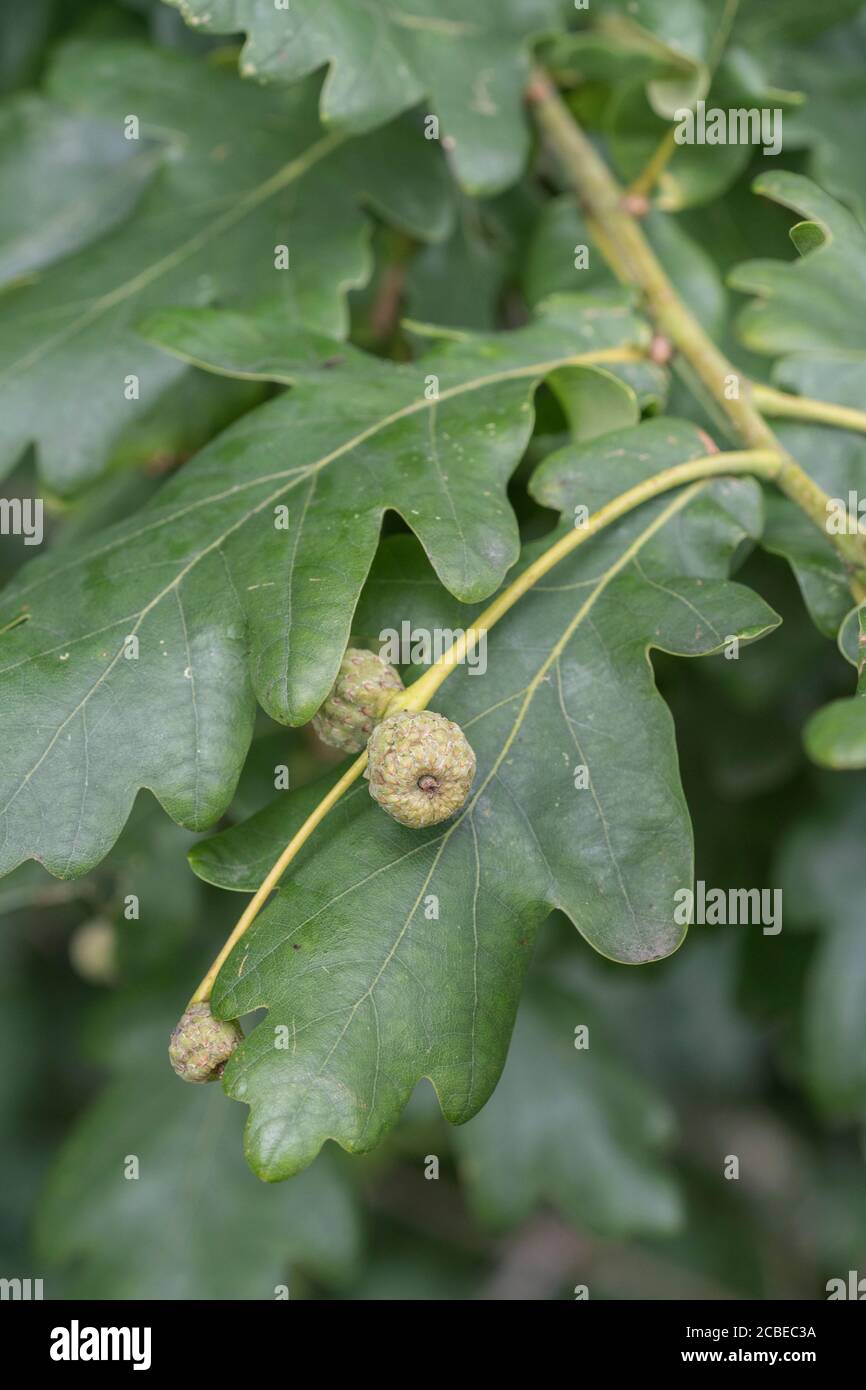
{"x": 420, "y": 767}
{"x": 364, "y": 686}
{"x": 201, "y": 1045}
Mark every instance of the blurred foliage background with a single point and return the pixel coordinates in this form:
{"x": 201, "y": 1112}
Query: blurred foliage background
{"x": 601, "y": 1168}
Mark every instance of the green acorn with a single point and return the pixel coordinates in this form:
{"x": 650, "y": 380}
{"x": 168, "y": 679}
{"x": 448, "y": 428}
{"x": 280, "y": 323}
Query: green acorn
{"x": 201, "y": 1045}
{"x": 420, "y": 767}
{"x": 364, "y": 685}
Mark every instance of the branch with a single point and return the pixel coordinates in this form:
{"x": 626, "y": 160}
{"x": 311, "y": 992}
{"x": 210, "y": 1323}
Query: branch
{"x": 757, "y": 462}
{"x": 649, "y": 176}
{"x": 787, "y": 407}
{"x": 630, "y": 256}
{"x": 643, "y": 185}
{"x": 261, "y": 895}
{"x": 633, "y": 260}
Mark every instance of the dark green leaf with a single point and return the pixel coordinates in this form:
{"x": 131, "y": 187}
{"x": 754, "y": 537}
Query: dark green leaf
{"x": 66, "y": 181}
{"x": 472, "y": 61}
{"x": 240, "y": 578}
{"x": 572, "y": 1128}
{"x": 242, "y": 171}
{"x": 192, "y": 1222}
{"x": 836, "y": 735}
{"x": 836, "y": 460}
{"x": 351, "y": 948}
{"x": 823, "y": 873}
{"x": 810, "y": 313}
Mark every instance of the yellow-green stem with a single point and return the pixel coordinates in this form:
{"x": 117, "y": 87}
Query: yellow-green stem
{"x": 655, "y": 166}
{"x": 261, "y": 895}
{"x": 783, "y": 406}
{"x": 649, "y": 176}
{"x": 630, "y": 256}
{"x": 758, "y": 462}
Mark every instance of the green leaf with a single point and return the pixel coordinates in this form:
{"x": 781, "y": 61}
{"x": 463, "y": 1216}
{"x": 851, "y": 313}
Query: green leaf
{"x": 472, "y": 61}
{"x": 680, "y": 41}
{"x": 351, "y": 949}
{"x": 836, "y": 460}
{"x": 676, "y": 35}
{"x": 192, "y": 1223}
{"x": 824, "y": 880}
{"x": 765, "y": 24}
{"x": 810, "y": 313}
{"x": 658, "y": 58}
{"x": 241, "y": 172}
{"x": 459, "y": 283}
{"x": 836, "y": 736}
{"x": 66, "y": 179}
{"x": 549, "y": 268}
{"x": 695, "y": 174}
{"x": 830, "y": 121}
{"x": 707, "y": 1045}
{"x": 571, "y": 1128}
{"x": 240, "y": 578}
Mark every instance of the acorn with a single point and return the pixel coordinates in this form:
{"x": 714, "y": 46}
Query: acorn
{"x": 201, "y": 1045}
{"x": 93, "y": 951}
{"x": 420, "y": 767}
{"x": 364, "y": 686}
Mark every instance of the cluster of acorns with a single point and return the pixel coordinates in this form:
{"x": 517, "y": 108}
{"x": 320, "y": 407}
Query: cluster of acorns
{"x": 419, "y": 767}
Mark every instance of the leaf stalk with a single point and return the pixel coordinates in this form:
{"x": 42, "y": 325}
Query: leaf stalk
{"x": 784, "y": 406}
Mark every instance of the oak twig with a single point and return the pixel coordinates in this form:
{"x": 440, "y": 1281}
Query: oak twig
{"x": 632, "y": 259}
{"x": 759, "y": 463}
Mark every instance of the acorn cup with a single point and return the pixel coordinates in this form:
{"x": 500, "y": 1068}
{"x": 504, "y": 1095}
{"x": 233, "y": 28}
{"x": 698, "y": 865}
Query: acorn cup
{"x": 364, "y": 686}
{"x": 420, "y": 767}
{"x": 201, "y": 1045}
